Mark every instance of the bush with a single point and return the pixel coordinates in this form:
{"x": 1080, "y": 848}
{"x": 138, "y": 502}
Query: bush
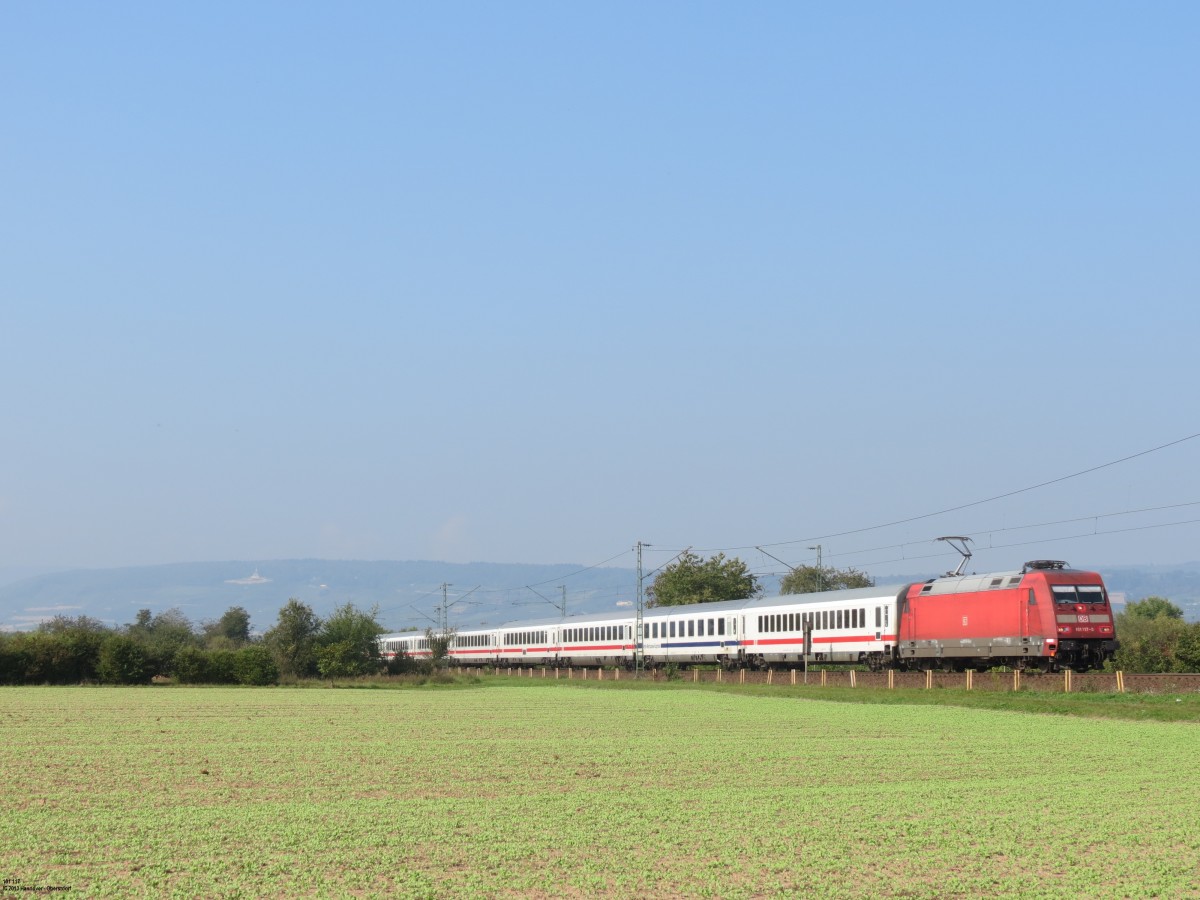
{"x": 191, "y": 666}
{"x": 222, "y": 667}
{"x": 122, "y": 661}
{"x": 255, "y": 665}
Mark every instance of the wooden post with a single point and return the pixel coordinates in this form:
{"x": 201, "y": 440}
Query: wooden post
{"x": 970, "y": 678}
{"x": 1067, "y": 681}
{"x": 599, "y": 673}
{"x": 556, "y": 673}
{"x": 741, "y": 676}
{"x": 823, "y": 674}
{"x": 853, "y": 680}
{"x": 617, "y": 673}
{"x": 1016, "y": 679}
{"x": 695, "y": 675}
{"x": 793, "y": 677}
{"x": 720, "y": 672}
{"x": 891, "y": 679}
{"x": 1120, "y": 682}
{"x": 928, "y": 679}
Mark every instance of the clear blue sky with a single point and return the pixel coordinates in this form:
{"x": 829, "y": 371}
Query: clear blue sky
{"x": 534, "y": 281}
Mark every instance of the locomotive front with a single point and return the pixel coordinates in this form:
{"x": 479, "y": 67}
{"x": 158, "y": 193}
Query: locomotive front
{"x": 1083, "y": 618}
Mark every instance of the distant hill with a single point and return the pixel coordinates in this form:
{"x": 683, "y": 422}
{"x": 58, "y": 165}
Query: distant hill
{"x": 407, "y": 593}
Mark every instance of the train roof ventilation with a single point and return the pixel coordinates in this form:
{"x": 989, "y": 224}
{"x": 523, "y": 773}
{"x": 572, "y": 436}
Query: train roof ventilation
{"x": 1043, "y": 564}
{"x": 964, "y": 550}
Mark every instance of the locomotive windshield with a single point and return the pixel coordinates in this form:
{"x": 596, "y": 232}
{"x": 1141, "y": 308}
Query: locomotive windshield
{"x": 1078, "y": 593}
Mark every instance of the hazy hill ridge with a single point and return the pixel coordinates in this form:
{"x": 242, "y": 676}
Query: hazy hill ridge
{"x": 407, "y": 593}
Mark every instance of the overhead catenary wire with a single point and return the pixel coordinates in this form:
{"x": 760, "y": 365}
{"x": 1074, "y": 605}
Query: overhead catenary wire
{"x": 928, "y": 515}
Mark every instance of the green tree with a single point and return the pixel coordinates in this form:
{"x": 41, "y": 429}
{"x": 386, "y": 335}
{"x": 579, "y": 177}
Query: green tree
{"x": 293, "y": 640}
{"x": 1153, "y": 637}
{"x": 1187, "y": 650}
{"x": 123, "y": 660}
{"x": 229, "y": 632}
{"x": 693, "y": 579}
{"x": 1152, "y": 608}
{"x": 355, "y": 632}
{"x": 341, "y": 659}
{"x": 439, "y": 647}
{"x": 161, "y": 637}
{"x": 254, "y": 665}
{"x": 812, "y": 579}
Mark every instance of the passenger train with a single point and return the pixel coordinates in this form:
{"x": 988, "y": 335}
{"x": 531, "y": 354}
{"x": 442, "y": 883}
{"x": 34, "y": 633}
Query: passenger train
{"x": 1044, "y": 616}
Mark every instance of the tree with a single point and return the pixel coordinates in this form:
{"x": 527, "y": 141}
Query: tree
{"x": 353, "y": 632}
{"x": 229, "y": 632}
{"x": 693, "y": 579}
{"x": 254, "y": 665}
{"x": 161, "y": 637}
{"x": 340, "y": 659}
{"x": 812, "y": 579}
{"x": 1153, "y": 638}
{"x": 123, "y": 661}
{"x": 293, "y": 640}
{"x": 439, "y": 647}
{"x": 1153, "y": 608}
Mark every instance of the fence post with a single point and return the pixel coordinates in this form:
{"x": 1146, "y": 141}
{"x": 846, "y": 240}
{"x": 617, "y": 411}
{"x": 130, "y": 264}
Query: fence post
{"x": 719, "y": 673}
{"x": 1120, "y": 682}
{"x": 617, "y": 673}
{"x": 741, "y": 676}
{"x": 891, "y": 679}
{"x": 1016, "y": 679}
{"x": 1067, "y": 681}
{"x": 928, "y": 679}
{"x": 793, "y": 677}
{"x": 853, "y": 680}
{"x": 823, "y": 674}
{"x": 970, "y": 678}
{"x": 695, "y": 675}
{"x": 599, "y": 673}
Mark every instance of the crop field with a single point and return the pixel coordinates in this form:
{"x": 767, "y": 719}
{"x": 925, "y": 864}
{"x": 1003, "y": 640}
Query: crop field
{"x": 550, "y": 790}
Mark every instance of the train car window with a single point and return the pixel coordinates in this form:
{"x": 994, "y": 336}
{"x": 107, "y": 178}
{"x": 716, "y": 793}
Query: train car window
{"x": 760, "y": 623}
{"x": 839, "y": 619}
{"x": 1032, "y": 598}
{"x": 885, "y": 616}
{"x": 672, "y": 629}
{"x": 720, "y": 626}
{"x": 691, "y": 627}
{"x": 712, "y": 627}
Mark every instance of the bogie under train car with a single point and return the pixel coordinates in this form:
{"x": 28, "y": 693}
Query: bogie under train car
{"x": 1045, "y": 616}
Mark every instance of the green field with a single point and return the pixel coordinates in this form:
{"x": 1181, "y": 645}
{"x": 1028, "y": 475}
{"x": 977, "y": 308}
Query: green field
{"x": 544, "y": 789}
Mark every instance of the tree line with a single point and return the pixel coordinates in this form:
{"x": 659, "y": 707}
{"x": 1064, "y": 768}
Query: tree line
{"x": 301, "y": 644}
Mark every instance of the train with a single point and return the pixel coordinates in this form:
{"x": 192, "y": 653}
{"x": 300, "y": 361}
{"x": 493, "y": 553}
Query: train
{"x": 1044, "y": 617}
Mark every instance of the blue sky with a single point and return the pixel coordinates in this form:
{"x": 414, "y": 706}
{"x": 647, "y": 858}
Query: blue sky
{"x": 530, "y": 282}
